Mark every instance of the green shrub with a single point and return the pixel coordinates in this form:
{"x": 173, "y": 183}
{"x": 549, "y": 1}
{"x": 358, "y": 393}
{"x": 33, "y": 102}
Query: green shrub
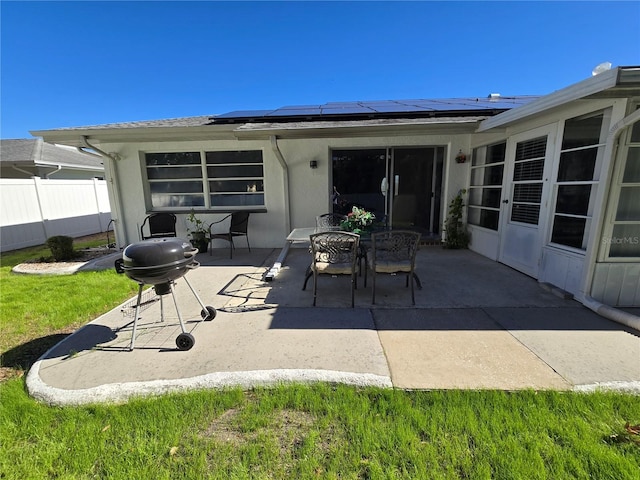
{"x": 61, "y": 248}
{"x": 456, "y": 232}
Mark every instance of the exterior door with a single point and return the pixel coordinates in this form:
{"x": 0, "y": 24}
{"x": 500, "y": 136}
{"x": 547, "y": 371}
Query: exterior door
{"x": 401, "y": 186}
{"x": 523, "y": 204}
{"x": 356, "y": 176}
{"x": 415, "y": 189}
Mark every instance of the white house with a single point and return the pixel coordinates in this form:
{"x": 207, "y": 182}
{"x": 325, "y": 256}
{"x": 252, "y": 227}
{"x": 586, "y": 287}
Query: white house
{"x": 48, "y": 190}
{"x": 553, "y": 182}
{"x": 31, "y": 157}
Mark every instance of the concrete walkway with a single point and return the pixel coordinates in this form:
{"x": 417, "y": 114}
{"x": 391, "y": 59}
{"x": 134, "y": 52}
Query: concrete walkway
{"x": 476, "y": 324}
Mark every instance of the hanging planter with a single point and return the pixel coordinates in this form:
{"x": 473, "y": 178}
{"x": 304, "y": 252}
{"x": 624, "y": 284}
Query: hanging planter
{"x": 461, "y": 157}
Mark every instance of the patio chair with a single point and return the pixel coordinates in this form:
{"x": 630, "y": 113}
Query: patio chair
{"x": 237, "y": 228}
{"x": 160, "y": 225}
{"x": 393, "y": 252}
{"x": 333, "y": 253}
{"x": 329, "y": 220}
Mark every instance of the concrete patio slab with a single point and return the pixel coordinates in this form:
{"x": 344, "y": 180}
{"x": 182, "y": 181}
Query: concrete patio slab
{"x": 584, "y": 348}
{"x": 459, "y": 348}
{"x": 476, "y": 324}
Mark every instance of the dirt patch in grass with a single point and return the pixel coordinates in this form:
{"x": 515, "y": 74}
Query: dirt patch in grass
{"x": 225, "y": 428}
{"x": 289, "y": 427}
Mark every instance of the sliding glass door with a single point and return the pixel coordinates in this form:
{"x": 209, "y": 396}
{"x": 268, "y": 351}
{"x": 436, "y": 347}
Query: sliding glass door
{"x": 402, "y": 186}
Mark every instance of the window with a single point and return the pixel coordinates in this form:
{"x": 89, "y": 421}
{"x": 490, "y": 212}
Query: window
{"x": 211, "y": 180}
{"x": 577, "y": 179}
{"x": 527, "y": 180}
{"x": 625, "y": 240}
{"x": 485, "y": 190}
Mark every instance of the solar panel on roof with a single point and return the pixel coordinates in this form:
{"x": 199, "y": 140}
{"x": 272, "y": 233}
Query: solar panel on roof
{"x": 386, "y": 108}
{"x": 345, "y": 109}
{"x": 377, "y": 103}
{"x": 288, "y": 112}
{"x": 398, "y": 108}
{"x": 340, "y": 104}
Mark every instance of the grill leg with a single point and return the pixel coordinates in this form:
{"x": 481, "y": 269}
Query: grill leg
{"x": 175, "y": 302}
{"x": 161, "y": 309}
{"x": 204, "y": 307}
{"x": 135, "y": 319}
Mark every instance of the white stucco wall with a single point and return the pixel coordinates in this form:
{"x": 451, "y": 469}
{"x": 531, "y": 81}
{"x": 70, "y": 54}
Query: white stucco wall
{"x": 309, "y": 188}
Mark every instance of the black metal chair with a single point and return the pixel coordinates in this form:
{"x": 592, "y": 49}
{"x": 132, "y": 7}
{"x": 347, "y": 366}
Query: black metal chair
{"x": 393, "y": 252}
{"x": 237, "y": 228}
{"x": 159, "y": 225}
{"x": 330, "y": 220}
{"x": 333, "y": 253}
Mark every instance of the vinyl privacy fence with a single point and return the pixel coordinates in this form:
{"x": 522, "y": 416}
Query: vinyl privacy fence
{"x": 34, "y": 209}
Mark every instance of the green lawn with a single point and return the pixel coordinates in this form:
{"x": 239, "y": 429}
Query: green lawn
{"x": 324, "y": 431}
{"x": 37, "y": 308}
{"x": 296, "y": 431}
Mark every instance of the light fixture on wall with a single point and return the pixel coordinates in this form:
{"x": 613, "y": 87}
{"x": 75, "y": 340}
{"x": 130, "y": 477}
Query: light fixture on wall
{"x": 461, "y": 157}
{"x": 313, "y": 164}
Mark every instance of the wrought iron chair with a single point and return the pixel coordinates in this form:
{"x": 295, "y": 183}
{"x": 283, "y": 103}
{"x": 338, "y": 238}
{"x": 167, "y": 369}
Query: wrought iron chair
{"x": 393, "y": 252}
{"x": 160, "y": 225}
{"x": 329, "y": 220}
{"x": 238, "y": 228}
{"x": 333, "y": 253}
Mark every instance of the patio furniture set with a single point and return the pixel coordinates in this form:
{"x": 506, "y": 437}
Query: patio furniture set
{"x": 164, "y": 225}
{"x": 336, "y": 252}
{"x": 333, "y": 251}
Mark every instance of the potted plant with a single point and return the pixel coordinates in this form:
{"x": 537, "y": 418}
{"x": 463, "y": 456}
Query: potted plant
{"x": 456, "y": 233}
{"x": 358, "y": 220}
{"x": 198, "y": 231}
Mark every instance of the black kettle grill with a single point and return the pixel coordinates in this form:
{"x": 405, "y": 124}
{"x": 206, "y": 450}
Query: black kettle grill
{"x": 160, "y": 262}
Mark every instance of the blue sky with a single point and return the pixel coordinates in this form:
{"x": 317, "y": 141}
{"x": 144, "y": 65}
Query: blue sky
{"x": 84, "y": 63}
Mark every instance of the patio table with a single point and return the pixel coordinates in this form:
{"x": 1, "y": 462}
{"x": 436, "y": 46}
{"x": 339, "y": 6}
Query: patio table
{"x": 297, "y": 235}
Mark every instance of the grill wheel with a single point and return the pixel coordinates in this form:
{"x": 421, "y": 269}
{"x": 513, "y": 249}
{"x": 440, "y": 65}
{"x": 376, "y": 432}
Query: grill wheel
{"x": 185, "y": 341}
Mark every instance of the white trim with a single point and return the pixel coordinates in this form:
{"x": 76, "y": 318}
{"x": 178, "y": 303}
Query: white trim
{"x": 590, "y": 86}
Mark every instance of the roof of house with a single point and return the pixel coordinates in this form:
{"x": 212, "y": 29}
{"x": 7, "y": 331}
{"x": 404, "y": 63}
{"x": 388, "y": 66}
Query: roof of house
{"x": 377, "y": 109}
{"x": 332, "y": 111}
{"x": 36, "y": 152}
{"x": 486, "y": 112}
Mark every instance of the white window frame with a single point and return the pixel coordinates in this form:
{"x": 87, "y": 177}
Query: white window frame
{"x": 204, "y": 179}
{"x": 480, "y": 152}
{"x": 618, "y": 184}
{"x": 594, "y": 182}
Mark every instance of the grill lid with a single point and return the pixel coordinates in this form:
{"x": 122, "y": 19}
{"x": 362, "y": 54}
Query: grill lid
{"x": 158, "y": 252}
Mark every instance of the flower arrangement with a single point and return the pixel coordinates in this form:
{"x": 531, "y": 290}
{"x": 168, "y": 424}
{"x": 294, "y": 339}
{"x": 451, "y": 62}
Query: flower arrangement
{"x": 358, "y": 219}
{"x": 461, "y": 157}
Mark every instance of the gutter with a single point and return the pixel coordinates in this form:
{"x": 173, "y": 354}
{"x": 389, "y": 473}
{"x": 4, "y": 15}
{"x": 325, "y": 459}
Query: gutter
{"x": 607, "y": 311}
{"x": 589, "y": 86}
{"x": 285, "y": 181}
{"x": 111, "y": 172}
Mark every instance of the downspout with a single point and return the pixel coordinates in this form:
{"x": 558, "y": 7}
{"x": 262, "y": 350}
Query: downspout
{"x": 607, "y": 311}
{"x": 58, "y": 168}
{"x": 285, "y": 181}
{"x": 111, "y": 173}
